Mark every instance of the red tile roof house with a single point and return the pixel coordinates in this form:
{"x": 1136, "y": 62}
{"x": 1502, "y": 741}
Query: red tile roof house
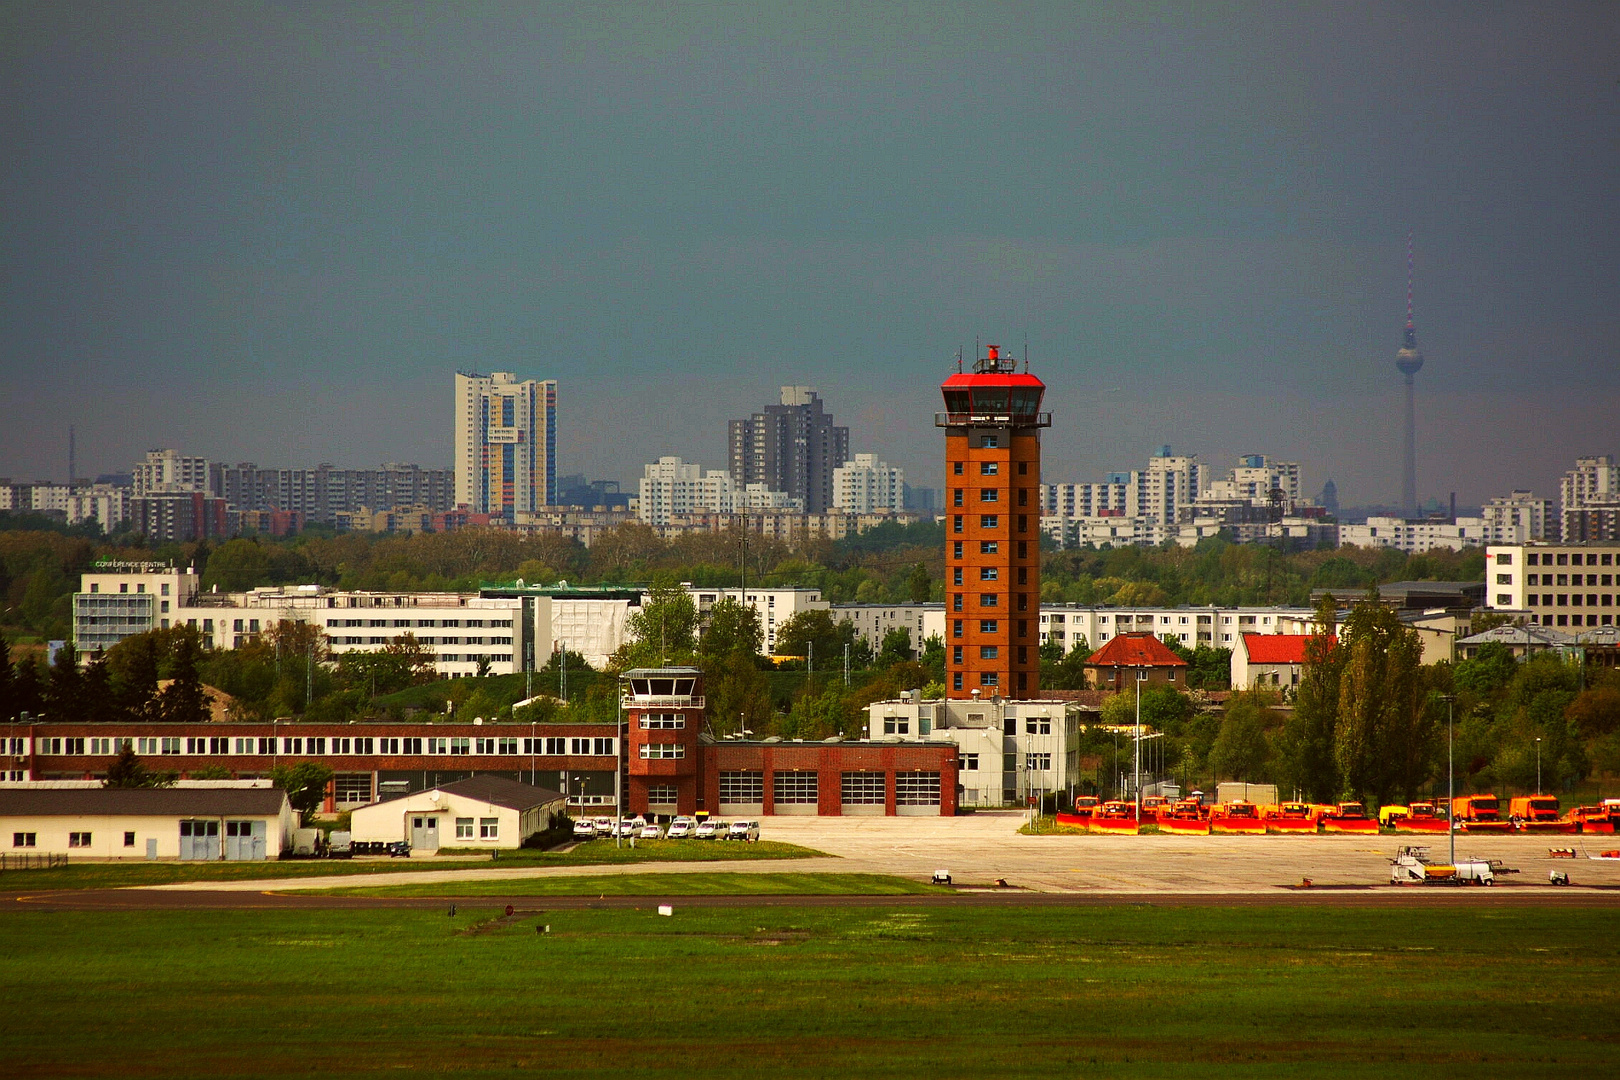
{"x": 1115, "y": 665}
{"x": 1267, "y": 660}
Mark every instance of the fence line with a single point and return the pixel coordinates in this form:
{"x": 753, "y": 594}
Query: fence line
{"x": 24, "y": 860}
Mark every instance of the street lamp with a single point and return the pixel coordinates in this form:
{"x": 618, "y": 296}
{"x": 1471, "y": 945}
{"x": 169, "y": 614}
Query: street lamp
{"x": 1451, "y": 817}
{"x": 1141, "y": 677}
{"x": 1538, "y": 764}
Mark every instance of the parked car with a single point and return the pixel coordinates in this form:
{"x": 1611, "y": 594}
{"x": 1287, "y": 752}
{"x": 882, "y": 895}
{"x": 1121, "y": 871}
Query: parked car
{"x": 743, "y": 830}
{"x": 604, "y": 826}
{"x": 680, "y": 830}
{"x": 710, "y": 830}
{"x": 628, "y": 828}
{"x": 399, "y": 849}
{"x": 584, "y": 830}
{"x": 651, "y": 832}
{"x": 340, "y": 844}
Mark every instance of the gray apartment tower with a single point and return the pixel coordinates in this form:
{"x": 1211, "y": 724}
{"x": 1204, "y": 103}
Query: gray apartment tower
{"x": 792, "y": 447}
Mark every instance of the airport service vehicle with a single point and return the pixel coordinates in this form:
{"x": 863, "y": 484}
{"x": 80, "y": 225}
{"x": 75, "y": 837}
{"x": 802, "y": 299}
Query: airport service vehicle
{"x": 1184, "y": 816}
{"x": 1412, "y": 866}
{"x": 584, "y": 830}
{"x": 1152, "y": 806}
{"x": 680, "y": 830}
{"x": 708, "y": 830}
{"x": 1420, "y": 817}
{"x": 1290, "y": 817}
{"x": 651, "y": 832}
{"x": 1114, "y": 816}
{"x": 1594, "y": 819}
{"x": 1085, "y": 805}
{"x": 743, "y": 830}
{"x": 1538, "y": 814}
{"x": 1238, "y": 816}
{"x": 1480, "y": 814}
{"x": 1348, "y": 817}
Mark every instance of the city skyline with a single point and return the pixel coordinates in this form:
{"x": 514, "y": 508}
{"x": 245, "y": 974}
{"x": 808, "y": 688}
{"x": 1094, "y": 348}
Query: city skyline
{"x": 1195, "y": 220}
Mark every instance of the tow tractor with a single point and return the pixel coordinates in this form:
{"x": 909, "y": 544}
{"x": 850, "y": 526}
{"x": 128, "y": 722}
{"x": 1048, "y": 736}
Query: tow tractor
{"x": 1411, "y": 866}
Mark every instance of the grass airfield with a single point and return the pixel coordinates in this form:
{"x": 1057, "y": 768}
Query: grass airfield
{"x": 1097, "y": 991}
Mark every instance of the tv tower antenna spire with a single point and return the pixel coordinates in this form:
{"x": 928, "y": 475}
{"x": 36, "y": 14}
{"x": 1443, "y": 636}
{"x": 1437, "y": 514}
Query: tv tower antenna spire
{"x": 1408, "y": 361}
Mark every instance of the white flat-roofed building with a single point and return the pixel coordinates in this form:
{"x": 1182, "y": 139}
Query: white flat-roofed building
{"x": 1519, "y": 518}
{"x": 873, "y": 622}
{"x": 868, "y": 486}
{"x": 169, "y": 472}
{"x": 774, "y": 606}
{"x": 1007, "y": 750}
{"x": 671, "y": 489}
{"x": 1216, "y": 627}
{"x": 1556, "y": 585}
{"x": 1410, "y": 535}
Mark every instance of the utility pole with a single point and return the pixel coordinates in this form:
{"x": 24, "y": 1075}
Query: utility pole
{"x": 846, "y": 668}
{"x": 1451, "y": 793}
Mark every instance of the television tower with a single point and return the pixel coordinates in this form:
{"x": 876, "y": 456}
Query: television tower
{"x": 1409, "y": 361}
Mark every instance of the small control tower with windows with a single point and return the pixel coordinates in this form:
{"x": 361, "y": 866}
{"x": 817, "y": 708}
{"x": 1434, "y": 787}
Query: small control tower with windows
{"x": 992, "y": 423}
{"x": 663, "y": 710}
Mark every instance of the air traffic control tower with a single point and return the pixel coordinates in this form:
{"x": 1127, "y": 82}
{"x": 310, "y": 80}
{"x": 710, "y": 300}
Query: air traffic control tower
{"x": 992, "y": 423}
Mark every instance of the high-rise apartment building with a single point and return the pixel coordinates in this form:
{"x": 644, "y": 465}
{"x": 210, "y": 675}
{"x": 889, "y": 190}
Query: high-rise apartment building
{"x": 1589, "y": 500}
{"x": 992, "y": 423}
{"x": 1169, "y": 482}
{"x": 168, "y": 472}
{"x": 793, "y": 447}
{"x": 866, "y": 485}
{"x": 1519, "y": 517}
{"x": 506, "y": 443}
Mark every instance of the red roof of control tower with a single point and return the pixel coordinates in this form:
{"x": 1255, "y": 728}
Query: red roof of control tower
{"x": 996, "y": 392}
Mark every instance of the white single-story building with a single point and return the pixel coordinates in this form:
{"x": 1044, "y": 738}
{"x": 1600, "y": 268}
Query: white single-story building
{"x": 478, "y": 812}
{"x": 146, "y": 823}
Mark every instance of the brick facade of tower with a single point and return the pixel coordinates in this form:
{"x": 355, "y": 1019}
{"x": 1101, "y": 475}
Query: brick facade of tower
{"x": 992, "y": 428}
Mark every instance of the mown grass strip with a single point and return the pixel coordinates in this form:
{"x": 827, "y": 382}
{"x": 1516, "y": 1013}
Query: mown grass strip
{"x": 693, "y": 884}
{"x": 590, "y": 853}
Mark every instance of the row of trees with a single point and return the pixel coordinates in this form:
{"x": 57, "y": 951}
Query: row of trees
{"x": 1369, "y": 720}
{"x": 39, "y": 568}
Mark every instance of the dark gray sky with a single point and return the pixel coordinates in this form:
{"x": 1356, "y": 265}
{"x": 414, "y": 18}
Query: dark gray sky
{"x": 272, "y": 231}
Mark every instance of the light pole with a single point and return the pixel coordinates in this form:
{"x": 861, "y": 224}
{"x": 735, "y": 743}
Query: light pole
{"x": 1141, "y": 674}
{"x": 1451, "y": 822}
{"x": 1538, "y": 764}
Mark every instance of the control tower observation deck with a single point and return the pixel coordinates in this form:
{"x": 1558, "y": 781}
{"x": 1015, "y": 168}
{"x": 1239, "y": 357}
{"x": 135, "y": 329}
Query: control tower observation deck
{"x": 992, "y": 423}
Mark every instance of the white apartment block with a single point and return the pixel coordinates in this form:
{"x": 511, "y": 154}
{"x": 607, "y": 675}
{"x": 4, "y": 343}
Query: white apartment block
{"x": 1101, "y": 532}
{"x": 461, "y": 630}
{"x": 873, "y": 622}
{"x": 1111, "y": 496}
{"x": 1168, "y": 483}
{"x": 506, "y": 443}
{"x": 867, "y": 485}
{"x": 1415, "y": 536}
{"x": 1007, "y": 750}
{"x": 1255, "y": 477}
{"x": 1558, "y": 585}
{"x": 169, "y": 472}
{"x": 774, "y": 607}
{"x": 671, "y": 489}
{"x": 1218, "y": 627}
{"x": 1519, "y": 518}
